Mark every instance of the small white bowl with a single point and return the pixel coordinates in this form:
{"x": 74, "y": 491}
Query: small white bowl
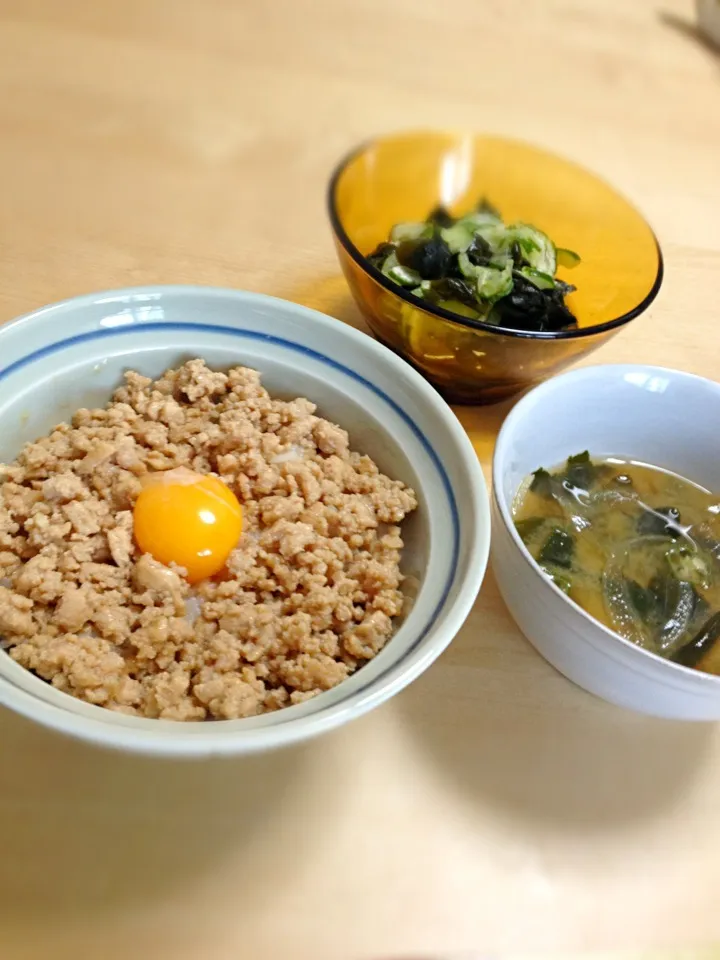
{"x": 73, "y": 354}
{"x": 659, "y": 416}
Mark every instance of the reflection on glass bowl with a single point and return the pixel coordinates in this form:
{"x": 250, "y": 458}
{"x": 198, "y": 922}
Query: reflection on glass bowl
{"x": 405, "y": 176}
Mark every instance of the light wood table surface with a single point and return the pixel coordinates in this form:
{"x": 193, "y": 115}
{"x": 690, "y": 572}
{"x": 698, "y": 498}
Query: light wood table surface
{"x": 492, "y": 806}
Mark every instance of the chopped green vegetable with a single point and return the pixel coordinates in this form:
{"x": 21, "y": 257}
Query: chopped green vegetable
{"x": 580, "y": 471}
{"x": 537, "y": 248}
{"x": 492, "y": 282}
{"x": 404, "y": 276}
{"x": 450, "y": 288}
{"x": 566, "y": 258}
{"x": 381, "y": 253}
{"x": 458, "y": 237}
{"x": 686, "y": 562}
{"x": 410, "y": 231}
{"x": 559, "y": 579}
{"x": 558, "y": 549}
{"x": 543, "y": 281}
{"x": 541, "y": 482}
{"x": 511, "y": 268}
{"x": 457, "y": 306}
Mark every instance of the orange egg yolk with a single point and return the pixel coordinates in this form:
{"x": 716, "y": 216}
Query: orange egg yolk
{"x": 189, "y": 519}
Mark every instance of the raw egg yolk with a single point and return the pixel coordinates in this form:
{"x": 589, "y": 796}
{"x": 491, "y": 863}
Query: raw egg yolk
{"x": 188, "y": 518}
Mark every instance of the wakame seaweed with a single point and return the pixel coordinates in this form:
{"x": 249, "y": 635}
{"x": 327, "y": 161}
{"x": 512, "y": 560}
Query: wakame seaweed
{"x": 636, "y": 547}
{"x": 580, "y": 471}
{"x": 558, "y": 549}
{"x": 541, "y": 482}
{"x": 442, "y": 217}
{"x": 484, "y": 206}
{"x": 452, "y": 288}
{"x": 432, "y": 259}
{"x": 505, "y": 273}
{"x": 660, "y": 522}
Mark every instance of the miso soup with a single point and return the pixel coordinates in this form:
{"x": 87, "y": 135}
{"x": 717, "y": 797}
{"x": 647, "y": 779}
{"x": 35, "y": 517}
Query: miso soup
{"x": 636, "y": 546}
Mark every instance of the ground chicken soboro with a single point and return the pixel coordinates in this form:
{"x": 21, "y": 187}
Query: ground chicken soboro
{"x": 309, "y": 593}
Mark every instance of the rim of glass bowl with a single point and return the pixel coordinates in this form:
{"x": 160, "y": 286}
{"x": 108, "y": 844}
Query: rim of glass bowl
{"x": 378, "y": 277}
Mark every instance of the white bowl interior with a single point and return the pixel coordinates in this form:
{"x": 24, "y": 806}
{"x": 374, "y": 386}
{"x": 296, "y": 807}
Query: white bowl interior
{"x": 74, "y": 355}
{"x": 662, "y": 417}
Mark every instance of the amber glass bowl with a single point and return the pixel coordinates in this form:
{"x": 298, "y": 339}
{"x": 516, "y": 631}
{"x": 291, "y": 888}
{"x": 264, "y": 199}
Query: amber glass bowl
{"x": 403, "y": 177}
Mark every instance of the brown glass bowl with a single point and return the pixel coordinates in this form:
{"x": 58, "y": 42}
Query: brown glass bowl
{"x": 403, "y": 177}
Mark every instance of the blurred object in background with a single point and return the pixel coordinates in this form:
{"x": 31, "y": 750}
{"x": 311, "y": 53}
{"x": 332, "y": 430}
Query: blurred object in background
{"x": 708, "y": 14}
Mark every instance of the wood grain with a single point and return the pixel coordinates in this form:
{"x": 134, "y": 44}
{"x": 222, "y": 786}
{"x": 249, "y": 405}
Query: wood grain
{"x": 493, "y": 807}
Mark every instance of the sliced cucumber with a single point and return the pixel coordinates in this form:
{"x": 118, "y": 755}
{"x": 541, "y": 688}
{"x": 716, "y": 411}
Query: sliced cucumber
{"x": 491, "y": 230}
{"x": 422, "y": 290}
{"x": 537, "y": 248}
{"x": 566, "y": 258}
{"x": 492, "y": 282}
{"x": 501, "y": 261}
{"x": 411, "y": 231}
{"x": 467, "y": 269}
{"x": 403, "y": 276}
{"x": 481, "y": 219}
{"x": 467, "y": 266}
{"x": 458, "y": 237}
{"x": 542, "y": 281}
{"x": 455, "y": 306}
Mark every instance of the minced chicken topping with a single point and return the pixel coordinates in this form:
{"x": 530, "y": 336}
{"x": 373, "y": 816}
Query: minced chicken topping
{"x": 307, "y": 597}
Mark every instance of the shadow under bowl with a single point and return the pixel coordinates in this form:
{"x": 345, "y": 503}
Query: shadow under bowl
{"x": 404, "y": 176}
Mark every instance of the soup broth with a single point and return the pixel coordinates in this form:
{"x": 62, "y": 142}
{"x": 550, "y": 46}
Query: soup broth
{"x": 636, "y": 546}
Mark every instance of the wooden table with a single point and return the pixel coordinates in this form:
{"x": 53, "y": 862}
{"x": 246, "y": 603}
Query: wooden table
{"x": 493, "y": 806}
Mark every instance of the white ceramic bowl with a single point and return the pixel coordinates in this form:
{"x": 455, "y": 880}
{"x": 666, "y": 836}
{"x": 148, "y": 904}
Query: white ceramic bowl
{"x": 73, "y": 354}
{"x": 659, "y": 416}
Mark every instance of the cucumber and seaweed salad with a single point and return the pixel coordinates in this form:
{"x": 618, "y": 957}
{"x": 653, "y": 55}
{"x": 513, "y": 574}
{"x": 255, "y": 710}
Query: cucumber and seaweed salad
{"x": 479, "y": 267}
